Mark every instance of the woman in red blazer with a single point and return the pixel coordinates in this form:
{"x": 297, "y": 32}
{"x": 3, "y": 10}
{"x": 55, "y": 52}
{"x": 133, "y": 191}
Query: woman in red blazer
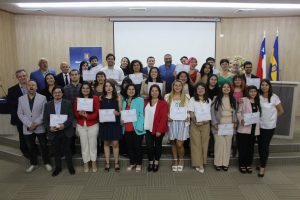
{"x": 156, "y": 125}
{"x": 88, "y": 127}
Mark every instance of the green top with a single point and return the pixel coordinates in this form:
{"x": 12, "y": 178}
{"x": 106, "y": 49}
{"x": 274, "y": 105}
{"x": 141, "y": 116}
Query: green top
{"x": 222, "y": 79}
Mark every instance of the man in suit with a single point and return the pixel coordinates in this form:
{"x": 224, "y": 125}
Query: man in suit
{"x": 248, "y": 71}
{"x": 13, "y": 95}
{"x": 39, "y": 75}
{"x": 63, "y": 78}
{"x": 61, "y": 134}
{"x": 30, "y": 112}
{"x": 150, "y": 64}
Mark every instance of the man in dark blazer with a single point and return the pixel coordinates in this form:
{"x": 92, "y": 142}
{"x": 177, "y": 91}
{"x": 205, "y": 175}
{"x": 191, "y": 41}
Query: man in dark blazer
{"x": 63, "y": 78}
{"x": 61, "y": 134}
{"x": 13, "y": 95}
{"x": 248, "y": 71}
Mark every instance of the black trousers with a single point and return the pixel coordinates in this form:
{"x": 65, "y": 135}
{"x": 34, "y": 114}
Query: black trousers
{"x": 134, "y": 146}
{"x": 154, "y": 146}
{"x": 32, "y": 147}
{"x": 59, "y": 142}
{"x": 264, "y": 140}
{"x": 23, "y": 147}
{"x": 211, "y": 143}
{"x": 245, "y": 145}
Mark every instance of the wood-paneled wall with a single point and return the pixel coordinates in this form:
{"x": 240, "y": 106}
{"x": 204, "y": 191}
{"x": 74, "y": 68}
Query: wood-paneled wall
{"x": 8, "y": 58}
{"x": 51, "y": 37}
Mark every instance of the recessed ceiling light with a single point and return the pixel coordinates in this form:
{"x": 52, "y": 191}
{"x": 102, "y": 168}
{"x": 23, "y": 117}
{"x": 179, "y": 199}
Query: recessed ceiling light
{"x": 170, "y": 4}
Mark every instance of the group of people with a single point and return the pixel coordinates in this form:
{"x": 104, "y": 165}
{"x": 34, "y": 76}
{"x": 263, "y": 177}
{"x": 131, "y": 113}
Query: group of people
{"x": 210, "y": 106}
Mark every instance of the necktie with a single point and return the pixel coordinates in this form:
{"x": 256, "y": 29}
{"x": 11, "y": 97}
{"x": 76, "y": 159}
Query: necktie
{"x": 66, "y": 80}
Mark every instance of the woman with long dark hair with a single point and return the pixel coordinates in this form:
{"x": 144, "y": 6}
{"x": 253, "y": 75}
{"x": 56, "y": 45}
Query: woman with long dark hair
{"x": 205, "y": 71}
{"x": 187, "y": 86}
{"x": 223, "y": 112}
{"x": 246, "y": 133}
{"x": 99, "y": 83}
{"x": 156, "y": 125}
{"x": 50, "y": 84}
{"x": 84, "y": 65}
{"x": 271, "y": 109}
{"x": 125, "y": 66}
{"x": 153, "y": 77}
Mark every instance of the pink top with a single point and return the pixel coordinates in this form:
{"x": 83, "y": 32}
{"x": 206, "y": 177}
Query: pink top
{"x": 238, "y": 96}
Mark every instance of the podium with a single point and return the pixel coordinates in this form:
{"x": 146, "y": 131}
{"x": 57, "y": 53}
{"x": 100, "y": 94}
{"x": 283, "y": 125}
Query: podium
{"x": 288, "y": 94}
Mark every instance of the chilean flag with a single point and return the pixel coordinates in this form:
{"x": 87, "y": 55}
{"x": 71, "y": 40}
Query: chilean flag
{"x": 262, "y": 64}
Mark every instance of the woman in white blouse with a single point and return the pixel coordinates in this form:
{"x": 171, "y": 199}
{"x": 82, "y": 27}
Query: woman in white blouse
{"x": 271, "y": 108}
{"x": 199, "y": 108}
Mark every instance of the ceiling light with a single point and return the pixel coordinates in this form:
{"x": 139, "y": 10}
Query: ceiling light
{"x": 170, "y": 4}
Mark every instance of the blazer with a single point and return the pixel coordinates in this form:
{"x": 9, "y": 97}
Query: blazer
{"x": 137, "y": 104}
{"x": 66, "y": 109}
{"x": 27, "y": 116}
{"x": 216, "y": 115}
{"x": 144, "y": 89}
{"x": 92, "y": 117}
{"x": 160, "y": 122}
{"x": 38, "y": 76}
{"x": 60, "y": 80}
{"x": 13, "y": 95}
{"x": 245, "y": 107}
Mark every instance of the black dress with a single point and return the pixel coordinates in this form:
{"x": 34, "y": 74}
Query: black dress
{"x": 110, "y": 131}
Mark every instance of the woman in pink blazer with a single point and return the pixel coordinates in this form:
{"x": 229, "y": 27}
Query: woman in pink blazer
{"x": 246, "y": 132}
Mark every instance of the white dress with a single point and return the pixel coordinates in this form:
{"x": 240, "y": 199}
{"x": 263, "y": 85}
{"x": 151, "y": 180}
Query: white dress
{"x": 178, "y": 129}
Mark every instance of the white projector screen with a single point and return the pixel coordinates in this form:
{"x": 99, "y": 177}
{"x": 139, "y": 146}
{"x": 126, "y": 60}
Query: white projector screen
{"x": 138, "y": 40}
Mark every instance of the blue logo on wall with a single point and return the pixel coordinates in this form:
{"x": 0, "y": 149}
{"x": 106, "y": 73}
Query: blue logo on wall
{"x": 79, "y": 54}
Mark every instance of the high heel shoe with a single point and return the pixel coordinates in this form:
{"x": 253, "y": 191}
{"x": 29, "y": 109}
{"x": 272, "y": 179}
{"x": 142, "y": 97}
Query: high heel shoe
{"x": 117, "y": 167}
{"x": 150, "y": 167}
{"x": 107, "y": 167}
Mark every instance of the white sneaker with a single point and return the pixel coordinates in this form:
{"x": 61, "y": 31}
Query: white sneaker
{"x": 200, "y": 169}
{"x": 174, "y": 168}
{"x": 48, "y": 167}
{"x": 31, "y": 168}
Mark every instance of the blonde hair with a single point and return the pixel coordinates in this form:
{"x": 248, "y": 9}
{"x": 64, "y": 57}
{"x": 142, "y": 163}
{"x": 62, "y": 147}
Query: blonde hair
{"x": 183, "y": 97}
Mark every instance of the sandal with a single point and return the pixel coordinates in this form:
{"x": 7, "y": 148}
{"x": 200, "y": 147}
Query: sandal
{"x": 117, "y": 167}
{"x": 107, "y": 167}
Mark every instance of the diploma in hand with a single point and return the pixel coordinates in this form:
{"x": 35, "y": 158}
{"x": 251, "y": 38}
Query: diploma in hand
{"x": 136, "y": 78}
{"x": 253, "y": 81}
{"x": 129, "y": 115}
{"x": 179, "y": 113}
{"x": 107, "y": 115}
{"x": 181, "y": 67}
{"x": 203, "y": 116}
{"x": 55, "y": 120}
{"x": 225, "y": 129}
{"x": 88, "y": 75}
{"x": 85, "y": 104}
{"x": 251, "y": 118}
{"x": 160, "y": 85}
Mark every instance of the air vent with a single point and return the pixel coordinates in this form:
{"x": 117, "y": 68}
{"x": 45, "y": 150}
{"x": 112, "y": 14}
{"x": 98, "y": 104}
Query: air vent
{"x": 245, "y": 10}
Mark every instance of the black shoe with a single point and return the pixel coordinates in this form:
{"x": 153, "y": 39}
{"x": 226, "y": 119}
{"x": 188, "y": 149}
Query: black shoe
{"x": 71, "y": 170}
{"x": 150, "y": 168}
{"x": 225, "y": 168}
{"x": 56, "y": 172}
{"x": 155, "y": 167}
{"x": 243, "y": 170}
{"x": 107, "y": 167}
{"x": 249, "y": 170}
{"x": 218, "y": 168}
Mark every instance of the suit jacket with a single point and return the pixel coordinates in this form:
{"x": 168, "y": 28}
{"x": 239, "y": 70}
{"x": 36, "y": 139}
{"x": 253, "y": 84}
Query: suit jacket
{"x": 66, "y": 109}
{"x": 60, "y": 80}
{"x": 13, "y": 95}
{"x": 27, "y": 116}
{"x": 38, "y": 76}
{"x": 160, "y": 122}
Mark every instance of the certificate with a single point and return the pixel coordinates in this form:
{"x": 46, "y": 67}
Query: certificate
{"x": 253, "y": 81}
{"x": 225, "y": 129}
{"x": 107, "y": 115}
{"x": 88, "y": 75}
{"x": 203, "y": 116}
{"x": 55, "y": 120}
{"x": 128, "y": 115}
{"x": 160, "y": 85}
{"x": 179, "y": 113}
{"x": 136, "y": 78}
{"x": 85, "y": 104}
{"x": 251, "y": 118}
{"x": 181, "y": 67}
